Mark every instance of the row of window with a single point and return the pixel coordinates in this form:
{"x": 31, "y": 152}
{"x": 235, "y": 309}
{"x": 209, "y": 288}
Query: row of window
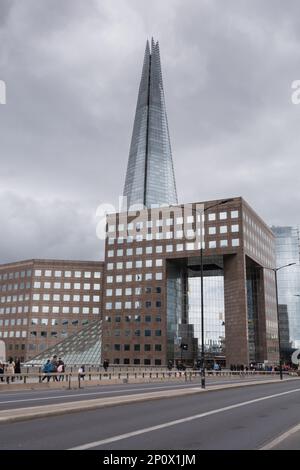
{"x": 135, "y": 318}
{"x": 137, "y": 304}
{"x": 64, "y": 309}
{"x": 66, "y": 285}
{"x": 16, "y": 286}
{"x": 136, "y": 277}
{"x": 138, "y": 347}
{"x": 15, "y": 275}
{"x": 178, "y": 235}
{"x": 78, "y": 274}
{"x": 148, "y": 263}
{"x": 66, "y": 298}
{"x": 8, "y": 310}
{"x": 127, "y": 333}
{"x": 181, "y": 247}
{"x": 137, "y": 361}
{"x": 39, "y": 321}
{"x": 212, "y": 216}
{"x": 13, "y": 322}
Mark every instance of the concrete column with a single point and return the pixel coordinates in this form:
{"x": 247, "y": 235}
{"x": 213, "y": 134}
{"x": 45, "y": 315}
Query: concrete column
{"x": 236, "y": 319}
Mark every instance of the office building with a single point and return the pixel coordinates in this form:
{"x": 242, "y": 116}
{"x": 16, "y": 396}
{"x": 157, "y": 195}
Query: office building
{"x": 42, "y": 302}
{"x": 151, "y": 258}
{"x": 287, "y": 251}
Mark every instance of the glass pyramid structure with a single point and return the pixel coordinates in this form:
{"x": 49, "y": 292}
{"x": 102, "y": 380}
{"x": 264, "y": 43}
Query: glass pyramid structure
{"x": 150, "y": 178}
{"x": 84, "y": 347}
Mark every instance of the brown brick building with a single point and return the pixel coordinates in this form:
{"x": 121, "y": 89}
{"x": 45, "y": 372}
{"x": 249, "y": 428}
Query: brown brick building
{"x": 148, "y": 263}
{"x": 44, "y": 301}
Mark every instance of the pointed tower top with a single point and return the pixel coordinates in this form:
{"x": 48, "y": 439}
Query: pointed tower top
{"x": 150, "y": 176}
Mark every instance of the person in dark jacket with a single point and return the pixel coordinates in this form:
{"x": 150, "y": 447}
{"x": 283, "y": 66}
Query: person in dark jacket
{"x": 1, "y": 371}
{"x": 47, "y": 370}
{"x": 18, "y": 368}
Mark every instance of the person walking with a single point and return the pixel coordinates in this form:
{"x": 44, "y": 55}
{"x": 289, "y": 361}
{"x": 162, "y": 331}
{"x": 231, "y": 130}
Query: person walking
{"x": 61, "y": 369}
{"x": 47, "y": 371}
{"x": 18, "y": 368}
{"x": 10, "y": 370}
{"x": 1, "y": 371}
{"x": 81, "y": 372}
{"x": 54, "y": 365}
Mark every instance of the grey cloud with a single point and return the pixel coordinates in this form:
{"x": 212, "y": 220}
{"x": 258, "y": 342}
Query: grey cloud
{"x": 72, "y": 69}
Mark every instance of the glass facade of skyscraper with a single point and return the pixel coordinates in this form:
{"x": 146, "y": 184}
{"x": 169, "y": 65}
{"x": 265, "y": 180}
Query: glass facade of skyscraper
{"x": 150, "y": 179}
{"x": 287, "y": 251}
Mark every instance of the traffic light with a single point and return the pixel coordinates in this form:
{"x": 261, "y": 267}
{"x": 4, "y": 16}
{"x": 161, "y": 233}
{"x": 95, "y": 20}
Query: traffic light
{"x": 184, "y": 346}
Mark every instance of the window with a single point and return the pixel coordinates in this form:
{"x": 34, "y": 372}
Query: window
{"x": 138, "y": 264}
{"x": 223, "y": 215}
{"x": 110, "y": 266}
{"x": 37, "y": 272}
{"x": 211, "y": 216}
{"x": 77, "y": 274}
{"x": 109, "y": 279}
{"x": 212, "y": 244}
{"x": 158, "y": 276}
{"x": 148, "y": 263}
{"x": 234, "y": 228}
{"x": 48, "y": 273}
{"x": 159, "y": 249}
{"x": 147, "y": 347}
{"x": 235, "y": 242}
{"x": 68, "y": 274}
{"x": 223, "y": 243}
{"x": 149, "y": 250}
{"x": 87, "y": 274}
{"x": 223, "y": 229}
{"x": 97, "y": 275}
{"x": 212, "y": 230}
{"x": 147, "y": 332}
{"x": 137, "y": 347}
{"x": 129, "y": 252}
{"x": 157, "y": 332}
{"x": 148, "y": 304}
{"x": 234, "y": 214}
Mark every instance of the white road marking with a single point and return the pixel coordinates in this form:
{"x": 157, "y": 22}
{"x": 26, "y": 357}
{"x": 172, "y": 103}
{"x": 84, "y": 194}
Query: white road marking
{"x": 281, "y": 438}
{"x": 120, "y": 437}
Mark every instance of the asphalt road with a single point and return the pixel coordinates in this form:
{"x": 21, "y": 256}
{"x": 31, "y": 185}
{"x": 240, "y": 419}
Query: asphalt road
{"x": 28, "y": 398}
{"x": 241, "y": 418}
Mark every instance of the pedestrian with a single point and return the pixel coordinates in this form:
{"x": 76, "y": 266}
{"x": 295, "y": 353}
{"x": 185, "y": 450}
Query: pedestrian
{"x": 105, "y": 364}
{"x": 10, "y": 370}
{"x": 47, "y": 370}
{"x": 18, "y": 368}
{"x": 1, "y": 371}
{"x": 81, "y": 372}
{"x": 54, "y": 365}
{"x": 61, "y": 369}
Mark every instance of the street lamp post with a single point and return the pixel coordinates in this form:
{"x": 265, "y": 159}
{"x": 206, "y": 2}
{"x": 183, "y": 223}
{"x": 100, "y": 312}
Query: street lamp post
{"x": 275, "y": 270}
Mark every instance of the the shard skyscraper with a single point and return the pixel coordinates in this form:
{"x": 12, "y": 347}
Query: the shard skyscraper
{"x": 150, "y": 176}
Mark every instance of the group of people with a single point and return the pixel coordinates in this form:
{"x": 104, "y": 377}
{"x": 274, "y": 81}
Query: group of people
{"x": 54, "y": 366}
{"x": 10, "y": 369}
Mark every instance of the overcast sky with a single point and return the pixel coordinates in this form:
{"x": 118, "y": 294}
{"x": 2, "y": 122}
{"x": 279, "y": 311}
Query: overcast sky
{"x": 72, "y": 71}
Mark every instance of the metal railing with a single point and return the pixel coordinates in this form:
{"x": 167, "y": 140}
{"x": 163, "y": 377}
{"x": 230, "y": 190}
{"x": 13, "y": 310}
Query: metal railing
{"x": 74, "y": 377}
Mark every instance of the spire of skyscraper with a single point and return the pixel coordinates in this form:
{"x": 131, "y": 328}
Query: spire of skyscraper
{"x": 150, "y": 178}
